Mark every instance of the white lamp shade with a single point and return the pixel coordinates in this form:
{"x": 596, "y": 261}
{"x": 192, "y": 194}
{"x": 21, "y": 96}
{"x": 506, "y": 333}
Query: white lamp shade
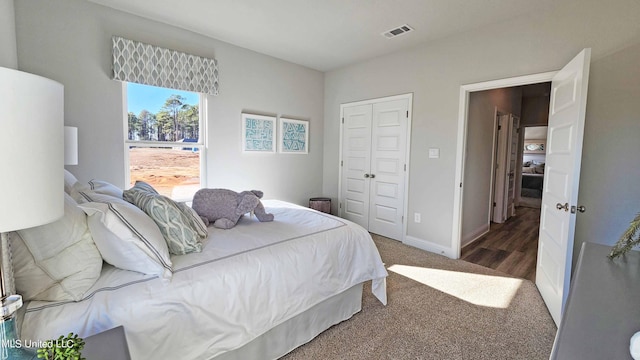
{"x": 70, "y": 145}
{"x": 31, "y": 150}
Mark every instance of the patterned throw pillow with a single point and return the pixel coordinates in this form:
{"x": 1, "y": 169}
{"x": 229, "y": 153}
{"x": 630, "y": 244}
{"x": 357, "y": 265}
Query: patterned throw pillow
{"x": 145, "y": 187}
{"x": 174, "y": 225}
{"x": 197, "y": 223}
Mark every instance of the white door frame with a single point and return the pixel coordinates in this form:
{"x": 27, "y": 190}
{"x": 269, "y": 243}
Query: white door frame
{"x": 463, "y": 114}
{"x": 409, "y": 97}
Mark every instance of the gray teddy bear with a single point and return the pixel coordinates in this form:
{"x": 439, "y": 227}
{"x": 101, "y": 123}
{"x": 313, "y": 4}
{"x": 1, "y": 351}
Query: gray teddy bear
{"x": 223, "y": 208}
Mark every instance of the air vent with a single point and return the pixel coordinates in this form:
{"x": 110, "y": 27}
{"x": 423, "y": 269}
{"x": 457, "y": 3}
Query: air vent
{"x": 403, "y": 29}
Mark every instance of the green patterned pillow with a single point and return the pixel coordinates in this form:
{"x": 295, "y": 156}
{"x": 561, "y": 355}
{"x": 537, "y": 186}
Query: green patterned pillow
{"x": 145, "y": 187}
{"x": 195, "y": 220}
{"x": 197, "y": 223}
{"x": 173, "y": 223}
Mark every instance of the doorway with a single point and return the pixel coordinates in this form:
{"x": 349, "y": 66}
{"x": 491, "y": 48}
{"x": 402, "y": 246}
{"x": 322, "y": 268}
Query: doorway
{"x": 559, "y": 207}
{"x": 501, "y": 232}
{"x": 533, "y": 166}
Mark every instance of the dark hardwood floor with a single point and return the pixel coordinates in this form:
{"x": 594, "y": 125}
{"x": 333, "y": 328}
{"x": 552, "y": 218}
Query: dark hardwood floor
{"x": 510, "y": 247}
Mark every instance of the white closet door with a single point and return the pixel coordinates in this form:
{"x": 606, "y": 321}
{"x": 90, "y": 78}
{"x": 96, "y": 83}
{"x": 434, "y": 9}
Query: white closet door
{"x": 387, "y": 178}
{"x": 356, "y": 148}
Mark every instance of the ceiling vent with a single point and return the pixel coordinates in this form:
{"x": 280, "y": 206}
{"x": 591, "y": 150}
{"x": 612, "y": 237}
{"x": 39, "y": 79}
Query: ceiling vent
{"x": 403, "y": 29}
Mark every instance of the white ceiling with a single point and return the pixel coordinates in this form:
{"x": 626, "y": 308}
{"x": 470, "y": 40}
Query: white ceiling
{"x": 326, "y": 34}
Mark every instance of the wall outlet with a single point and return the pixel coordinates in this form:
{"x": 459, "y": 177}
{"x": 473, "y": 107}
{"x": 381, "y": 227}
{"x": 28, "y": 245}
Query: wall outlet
{"x": 416, "y": 217}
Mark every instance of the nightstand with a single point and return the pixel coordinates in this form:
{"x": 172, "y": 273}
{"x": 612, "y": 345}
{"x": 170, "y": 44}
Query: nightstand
{"x": 107, "y": 345}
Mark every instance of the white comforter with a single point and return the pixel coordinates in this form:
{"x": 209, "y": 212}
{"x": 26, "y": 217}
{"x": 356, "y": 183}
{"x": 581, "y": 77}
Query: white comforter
{"x": 246, "y": 281}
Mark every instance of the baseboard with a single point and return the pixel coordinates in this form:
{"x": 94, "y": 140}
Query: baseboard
{"x": 474, "y": 235}
{"x": 429, "y": 246}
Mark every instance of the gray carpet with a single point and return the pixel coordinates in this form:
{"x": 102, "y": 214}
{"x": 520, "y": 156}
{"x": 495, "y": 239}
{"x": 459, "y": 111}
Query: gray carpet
{"x": 466, "y": 312}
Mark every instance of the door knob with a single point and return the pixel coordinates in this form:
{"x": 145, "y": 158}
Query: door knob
{"x": 367, "y": 175}
{"x": 561, "y": 207}
{"x": 580, "y": 208}
{"x": 373, "y": 176}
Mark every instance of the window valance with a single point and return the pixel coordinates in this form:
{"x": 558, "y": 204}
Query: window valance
{"x": 141, "y": 63}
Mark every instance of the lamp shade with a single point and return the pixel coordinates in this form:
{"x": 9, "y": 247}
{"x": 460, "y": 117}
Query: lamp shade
{"x": 31, "y": 150}
{"x": 70, "y": 145}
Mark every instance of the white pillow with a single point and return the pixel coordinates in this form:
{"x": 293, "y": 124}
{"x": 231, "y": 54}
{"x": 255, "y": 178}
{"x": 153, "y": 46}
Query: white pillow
{"x": 56, "y": 261}
{"x": 103, "y": 187}
{"x": 75, "y": 192}
{"x": 126, "y": 237}
{"x": 69, "y": 181}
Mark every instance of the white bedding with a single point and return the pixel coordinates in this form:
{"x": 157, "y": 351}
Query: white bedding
{"x": 246, "y": 281}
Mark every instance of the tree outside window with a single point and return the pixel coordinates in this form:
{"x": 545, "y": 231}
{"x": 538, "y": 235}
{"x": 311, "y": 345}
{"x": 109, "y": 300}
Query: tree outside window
{"x": 159, "y": 123}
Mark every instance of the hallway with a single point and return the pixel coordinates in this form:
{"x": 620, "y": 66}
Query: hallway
{"x": 510, "y": 247}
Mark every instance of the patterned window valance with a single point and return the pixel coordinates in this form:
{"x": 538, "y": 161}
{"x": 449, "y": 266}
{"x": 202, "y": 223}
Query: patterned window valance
{"x": 151, "y": 65}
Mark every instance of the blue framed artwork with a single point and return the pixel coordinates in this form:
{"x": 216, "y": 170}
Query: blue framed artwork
{"x": 294, "y": 136}
{"x": 258, "y": 133}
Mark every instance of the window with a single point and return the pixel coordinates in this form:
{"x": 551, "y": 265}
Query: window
{"x": 164, "y": 139}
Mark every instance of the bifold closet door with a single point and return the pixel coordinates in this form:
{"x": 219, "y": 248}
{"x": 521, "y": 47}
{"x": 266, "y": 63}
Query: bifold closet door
{"x": 374, "y": 165}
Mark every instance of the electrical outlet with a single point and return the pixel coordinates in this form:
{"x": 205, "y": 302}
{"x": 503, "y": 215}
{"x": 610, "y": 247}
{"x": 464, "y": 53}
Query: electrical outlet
{"x": 416, "y": 217}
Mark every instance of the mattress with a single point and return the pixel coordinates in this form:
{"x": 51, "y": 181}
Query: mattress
{"x": 246, "y": 281}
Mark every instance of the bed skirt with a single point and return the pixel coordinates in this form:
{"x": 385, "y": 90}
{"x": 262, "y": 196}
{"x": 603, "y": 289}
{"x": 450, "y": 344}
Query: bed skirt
{"x": 300, "y": 329}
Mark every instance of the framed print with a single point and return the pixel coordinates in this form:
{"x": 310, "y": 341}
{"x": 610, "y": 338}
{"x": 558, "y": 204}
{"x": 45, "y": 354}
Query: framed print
{"x": 258, "y": 133}
{"x": 294, "y": 136}
{"x": 534, "y": 147}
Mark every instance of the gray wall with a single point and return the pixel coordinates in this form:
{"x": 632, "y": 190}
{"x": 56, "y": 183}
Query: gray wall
{"x": 8, "y": 55}
{"x": 535, "y": 111}
{"x": 70, "y": 41}
{"x": 611, "y": 152}
{"x": 523, "y": 45}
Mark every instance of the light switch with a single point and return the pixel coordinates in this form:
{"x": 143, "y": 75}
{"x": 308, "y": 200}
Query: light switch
{"x": 434, "y": 153}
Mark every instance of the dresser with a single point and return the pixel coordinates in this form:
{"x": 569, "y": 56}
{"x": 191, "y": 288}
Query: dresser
{"x": 107, "y": 345}
{"x": 603, "y": 309}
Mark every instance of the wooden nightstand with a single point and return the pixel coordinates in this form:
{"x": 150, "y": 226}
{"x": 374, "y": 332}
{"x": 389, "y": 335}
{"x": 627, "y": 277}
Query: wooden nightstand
{"x": 107, "y": 345}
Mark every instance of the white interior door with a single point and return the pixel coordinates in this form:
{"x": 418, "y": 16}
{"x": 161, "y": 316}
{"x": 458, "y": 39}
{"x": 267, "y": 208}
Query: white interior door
{"x": 514, "y": 125}
{"x": 560, "y": 191}
{"x": 356, "y": 163}
{"x": 501, "y": 171}
{"x": 388, "y": 154}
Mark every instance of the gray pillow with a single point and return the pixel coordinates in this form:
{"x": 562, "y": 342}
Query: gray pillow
{"x": 174, "y": 225}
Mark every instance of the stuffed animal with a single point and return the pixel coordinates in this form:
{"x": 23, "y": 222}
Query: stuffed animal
{"x": 223, "y": 208}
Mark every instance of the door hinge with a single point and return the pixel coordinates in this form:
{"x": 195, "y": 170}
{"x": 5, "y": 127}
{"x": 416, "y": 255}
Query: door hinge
{"x": 499, "y": 126}
{"x": 407, "y": 114}
{"x": 340, "y": 204}
{"x": 402, "y": 219}
{"x": 495, "y": 204}
{"x": 343, "y": 120}
{"x": 460, "y": 185}
{"x": 341, "y": 163}
{"x": 405, "y": 167}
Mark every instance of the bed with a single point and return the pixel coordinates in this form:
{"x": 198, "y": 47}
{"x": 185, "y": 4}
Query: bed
{"x": 532, "y": 179}
{"x": 256, "y": 291}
